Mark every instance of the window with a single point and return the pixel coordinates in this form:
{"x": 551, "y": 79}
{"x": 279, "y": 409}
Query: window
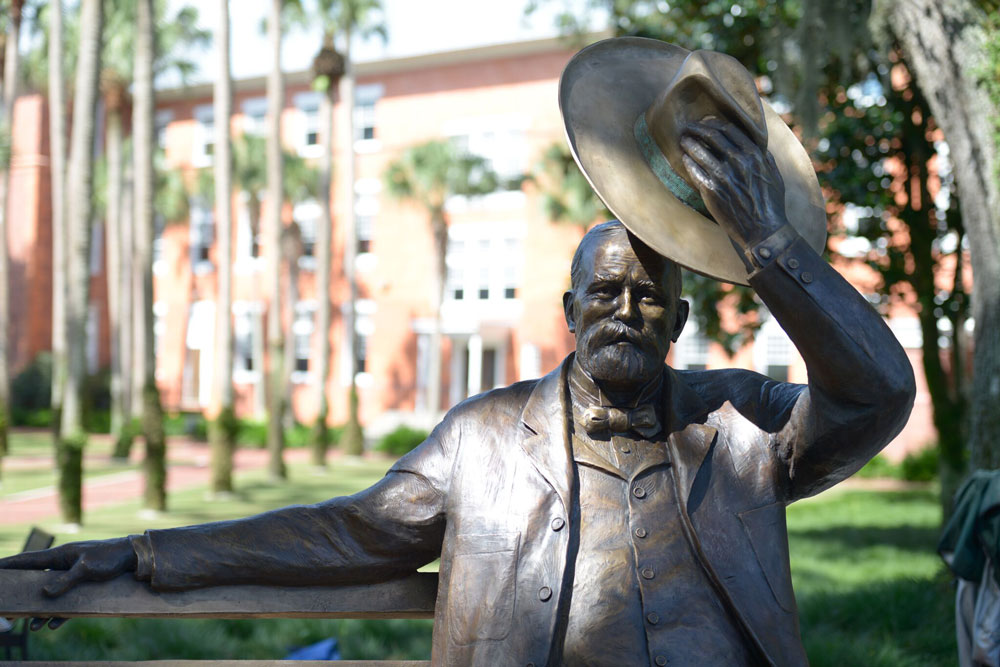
{"x": 484, "y": 262}
{"x": 201, "y": 235}
{"x": 254, "y": 116}
{"x": 204, "y": 136}
{"x": 246, "y": 330}
{"x": 499, "y": 140}
{"x": 247, "y": 231}
{"x": 691, "y": 351}
{"x": 160, "y": 123}
{"x": 773, "y": 351}
{"x": 159, "y": 260}
{"x": 366, "y": 208}
{"x": 308, "y": 105}
{"x": 364, "y": 327}
{"x": 365, "y": 99}
{"x": 302, "y": 330}
{"x": 159, "y": 325}
{"x": 307, "y": 215}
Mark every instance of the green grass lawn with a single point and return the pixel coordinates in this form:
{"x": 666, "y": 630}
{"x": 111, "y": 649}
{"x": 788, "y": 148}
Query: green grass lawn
{"x": 870, "y": 587}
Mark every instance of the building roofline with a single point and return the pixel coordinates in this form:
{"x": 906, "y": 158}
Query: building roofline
{"x": 391, "y": 65}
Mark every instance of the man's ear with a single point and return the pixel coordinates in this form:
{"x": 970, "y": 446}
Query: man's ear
{"x": 683, "y": 308}
{"x": 568, "y": 299}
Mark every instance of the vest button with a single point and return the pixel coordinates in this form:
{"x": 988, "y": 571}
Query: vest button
{"x": 647, "y": 573}
{"x": 640, "y": 532}
{"x": 793, "y": 263}
{"x": 661, "y": 660}
{"x": 530, "y": 664}
{"x": 544, "y": 593}
{"x": 653, "y": 618}
{"x": 639, "y": 492}
{"x": 557, "y": 524}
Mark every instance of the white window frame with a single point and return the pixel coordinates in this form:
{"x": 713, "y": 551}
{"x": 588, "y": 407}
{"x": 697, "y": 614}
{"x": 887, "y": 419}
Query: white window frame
{"x": 244, "y": 313}
{"x": 365, "y": 112}
{"x": 484, "y": 255}
{"x": 308, "y": 105}
{"x": 307, "y": 214}
{"x": 254, "y": 121}
{"x": 204, "y": 135}
{"x": 303, "y": 327}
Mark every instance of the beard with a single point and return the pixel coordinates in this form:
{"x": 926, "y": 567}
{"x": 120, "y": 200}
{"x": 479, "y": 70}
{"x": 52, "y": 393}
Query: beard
{"x": 619, "y": 354}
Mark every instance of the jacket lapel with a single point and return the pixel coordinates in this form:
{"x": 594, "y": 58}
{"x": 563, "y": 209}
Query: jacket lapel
{"x": 544, "y": 433}
{"x": 689, "y": 439}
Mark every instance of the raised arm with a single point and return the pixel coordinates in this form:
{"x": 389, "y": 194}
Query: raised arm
{"x": 861, "y": 383}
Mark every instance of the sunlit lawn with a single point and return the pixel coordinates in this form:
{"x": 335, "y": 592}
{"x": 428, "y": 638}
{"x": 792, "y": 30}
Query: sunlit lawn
{"x": 870, "y": 586}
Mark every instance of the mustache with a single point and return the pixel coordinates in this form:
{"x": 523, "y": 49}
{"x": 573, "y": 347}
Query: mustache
{"x": 616, "y": 332}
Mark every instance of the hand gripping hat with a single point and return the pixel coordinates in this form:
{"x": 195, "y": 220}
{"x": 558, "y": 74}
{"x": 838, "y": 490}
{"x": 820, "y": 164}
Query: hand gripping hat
{"x": 625, "y": 102}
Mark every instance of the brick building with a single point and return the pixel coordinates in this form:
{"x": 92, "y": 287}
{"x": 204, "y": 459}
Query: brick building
{"x": 507, "y": 264}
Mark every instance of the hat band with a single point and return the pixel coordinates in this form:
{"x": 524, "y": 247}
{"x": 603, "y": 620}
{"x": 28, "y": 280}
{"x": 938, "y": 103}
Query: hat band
{"x": 658, "y": 162}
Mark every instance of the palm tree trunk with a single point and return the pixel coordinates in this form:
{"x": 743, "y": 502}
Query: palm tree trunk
{"x": 275, "y": 195}
{"x": 439, "y": 229}
{"x": 224, "y": 425}
{"x": 115, "y": 276}
{"x": 353, "y": 437}
{"x": 142, "y": 138}
{"x": 57, "y": 178}
{"x": 320, "y": 433}
{"x": 79, "y": 211}
{"x": 11, "y": 66}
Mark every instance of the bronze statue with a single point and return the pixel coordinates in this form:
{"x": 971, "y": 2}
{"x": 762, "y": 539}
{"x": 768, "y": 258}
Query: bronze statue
{"x": 615, "y": 511}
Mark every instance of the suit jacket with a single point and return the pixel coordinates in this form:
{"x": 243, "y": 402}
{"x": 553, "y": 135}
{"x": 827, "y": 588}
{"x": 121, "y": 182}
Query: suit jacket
{"x": 485, "y": 490}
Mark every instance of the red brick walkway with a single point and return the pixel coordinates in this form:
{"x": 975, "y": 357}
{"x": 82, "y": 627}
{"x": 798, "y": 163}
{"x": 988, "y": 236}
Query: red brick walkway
{"x": 187, "y": 467}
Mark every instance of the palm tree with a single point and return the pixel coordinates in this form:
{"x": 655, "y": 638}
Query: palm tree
{"x": 7, "y": 96}
{"x": 79, "y": 208}
{"x": 566, "y": 196}
{"x": 57, "y": 171}
{"x": 275, "y": 339}
{"x": 223, "y": 434}
{"x": 142, "y": 155}
{"x": 340, "y": 19}
{"x": 428, "y": 174}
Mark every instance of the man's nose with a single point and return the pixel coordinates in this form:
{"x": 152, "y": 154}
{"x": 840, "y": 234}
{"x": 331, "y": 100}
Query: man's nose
{"x": 626, "y": 310}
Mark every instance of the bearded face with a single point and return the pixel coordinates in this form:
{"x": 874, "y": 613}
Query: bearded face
{"x": 624, "y": 312}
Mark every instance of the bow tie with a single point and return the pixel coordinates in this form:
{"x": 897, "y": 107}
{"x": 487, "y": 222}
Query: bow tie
{"x": 642, "y": 420}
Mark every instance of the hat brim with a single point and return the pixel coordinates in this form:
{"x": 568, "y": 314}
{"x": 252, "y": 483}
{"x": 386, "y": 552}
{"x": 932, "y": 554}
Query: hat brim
{"x": 602, "y": 91}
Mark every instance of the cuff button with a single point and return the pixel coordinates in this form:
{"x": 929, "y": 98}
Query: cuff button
{"x": 793, "y": 263}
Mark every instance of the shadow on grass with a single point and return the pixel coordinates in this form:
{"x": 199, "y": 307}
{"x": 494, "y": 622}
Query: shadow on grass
{"x": 900, "y": 623}
{"x": 908, "y": 537}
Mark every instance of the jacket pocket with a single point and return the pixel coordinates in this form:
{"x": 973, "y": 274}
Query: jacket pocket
{"x": 481, "y": 587}
{"x": 768, "y": 534}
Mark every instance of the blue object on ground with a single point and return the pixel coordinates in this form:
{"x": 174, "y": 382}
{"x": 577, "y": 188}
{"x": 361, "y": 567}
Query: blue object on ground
{"x": 323, "y": 650}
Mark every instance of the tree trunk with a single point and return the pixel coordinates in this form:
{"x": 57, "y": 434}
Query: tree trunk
{"x": 57, "y": 177}
{"x": 945, "y": 44}
{"x": 353, "y": 436}
{"x": 224, "y": 424}
{"x": 115, "y": 255}
{"x": 79, "y": 212}
{"x": 275, "y": 196}
{"x": 320, "y": 437}
{"x": 439, "y": 229}
{"x": 8, "y": 95}
{"x": 142, "y": 137}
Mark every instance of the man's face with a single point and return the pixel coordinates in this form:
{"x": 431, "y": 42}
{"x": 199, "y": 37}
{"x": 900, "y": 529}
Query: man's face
{"x": 624, "y": 313}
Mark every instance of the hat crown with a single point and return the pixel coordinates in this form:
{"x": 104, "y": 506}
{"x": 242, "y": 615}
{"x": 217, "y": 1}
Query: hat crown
{"x": 707, "y": 85}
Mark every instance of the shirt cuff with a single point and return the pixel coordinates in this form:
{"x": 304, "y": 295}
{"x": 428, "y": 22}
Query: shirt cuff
{"x": 144, "y": 556}
{"x": 763, "y": 253}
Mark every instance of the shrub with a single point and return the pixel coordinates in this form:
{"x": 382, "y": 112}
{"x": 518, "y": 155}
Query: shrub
{"x": 880, "y": 466}
{"x": 922, "y": 466}
{"x": 188, "y": 424}
{"x": 31, "y": 389}
{"x": 252, "y": 433}
{"x": 401, "y": 440}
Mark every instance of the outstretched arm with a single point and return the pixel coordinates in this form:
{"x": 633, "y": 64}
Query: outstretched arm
{"x": 387, "y": 530}
{"x": 861, "y": 383}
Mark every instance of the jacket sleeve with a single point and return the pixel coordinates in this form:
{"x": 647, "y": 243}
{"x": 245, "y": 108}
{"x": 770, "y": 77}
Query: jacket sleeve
{"x": 388, "y": 530}
{"x": 861, "y": 385}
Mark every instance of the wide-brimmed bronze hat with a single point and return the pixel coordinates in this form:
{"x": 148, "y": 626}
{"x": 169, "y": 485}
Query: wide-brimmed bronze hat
{"x": 625, "y": 102}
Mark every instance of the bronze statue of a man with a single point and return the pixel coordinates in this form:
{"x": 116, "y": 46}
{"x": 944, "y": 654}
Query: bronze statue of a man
{"x": 615, "y": 511}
